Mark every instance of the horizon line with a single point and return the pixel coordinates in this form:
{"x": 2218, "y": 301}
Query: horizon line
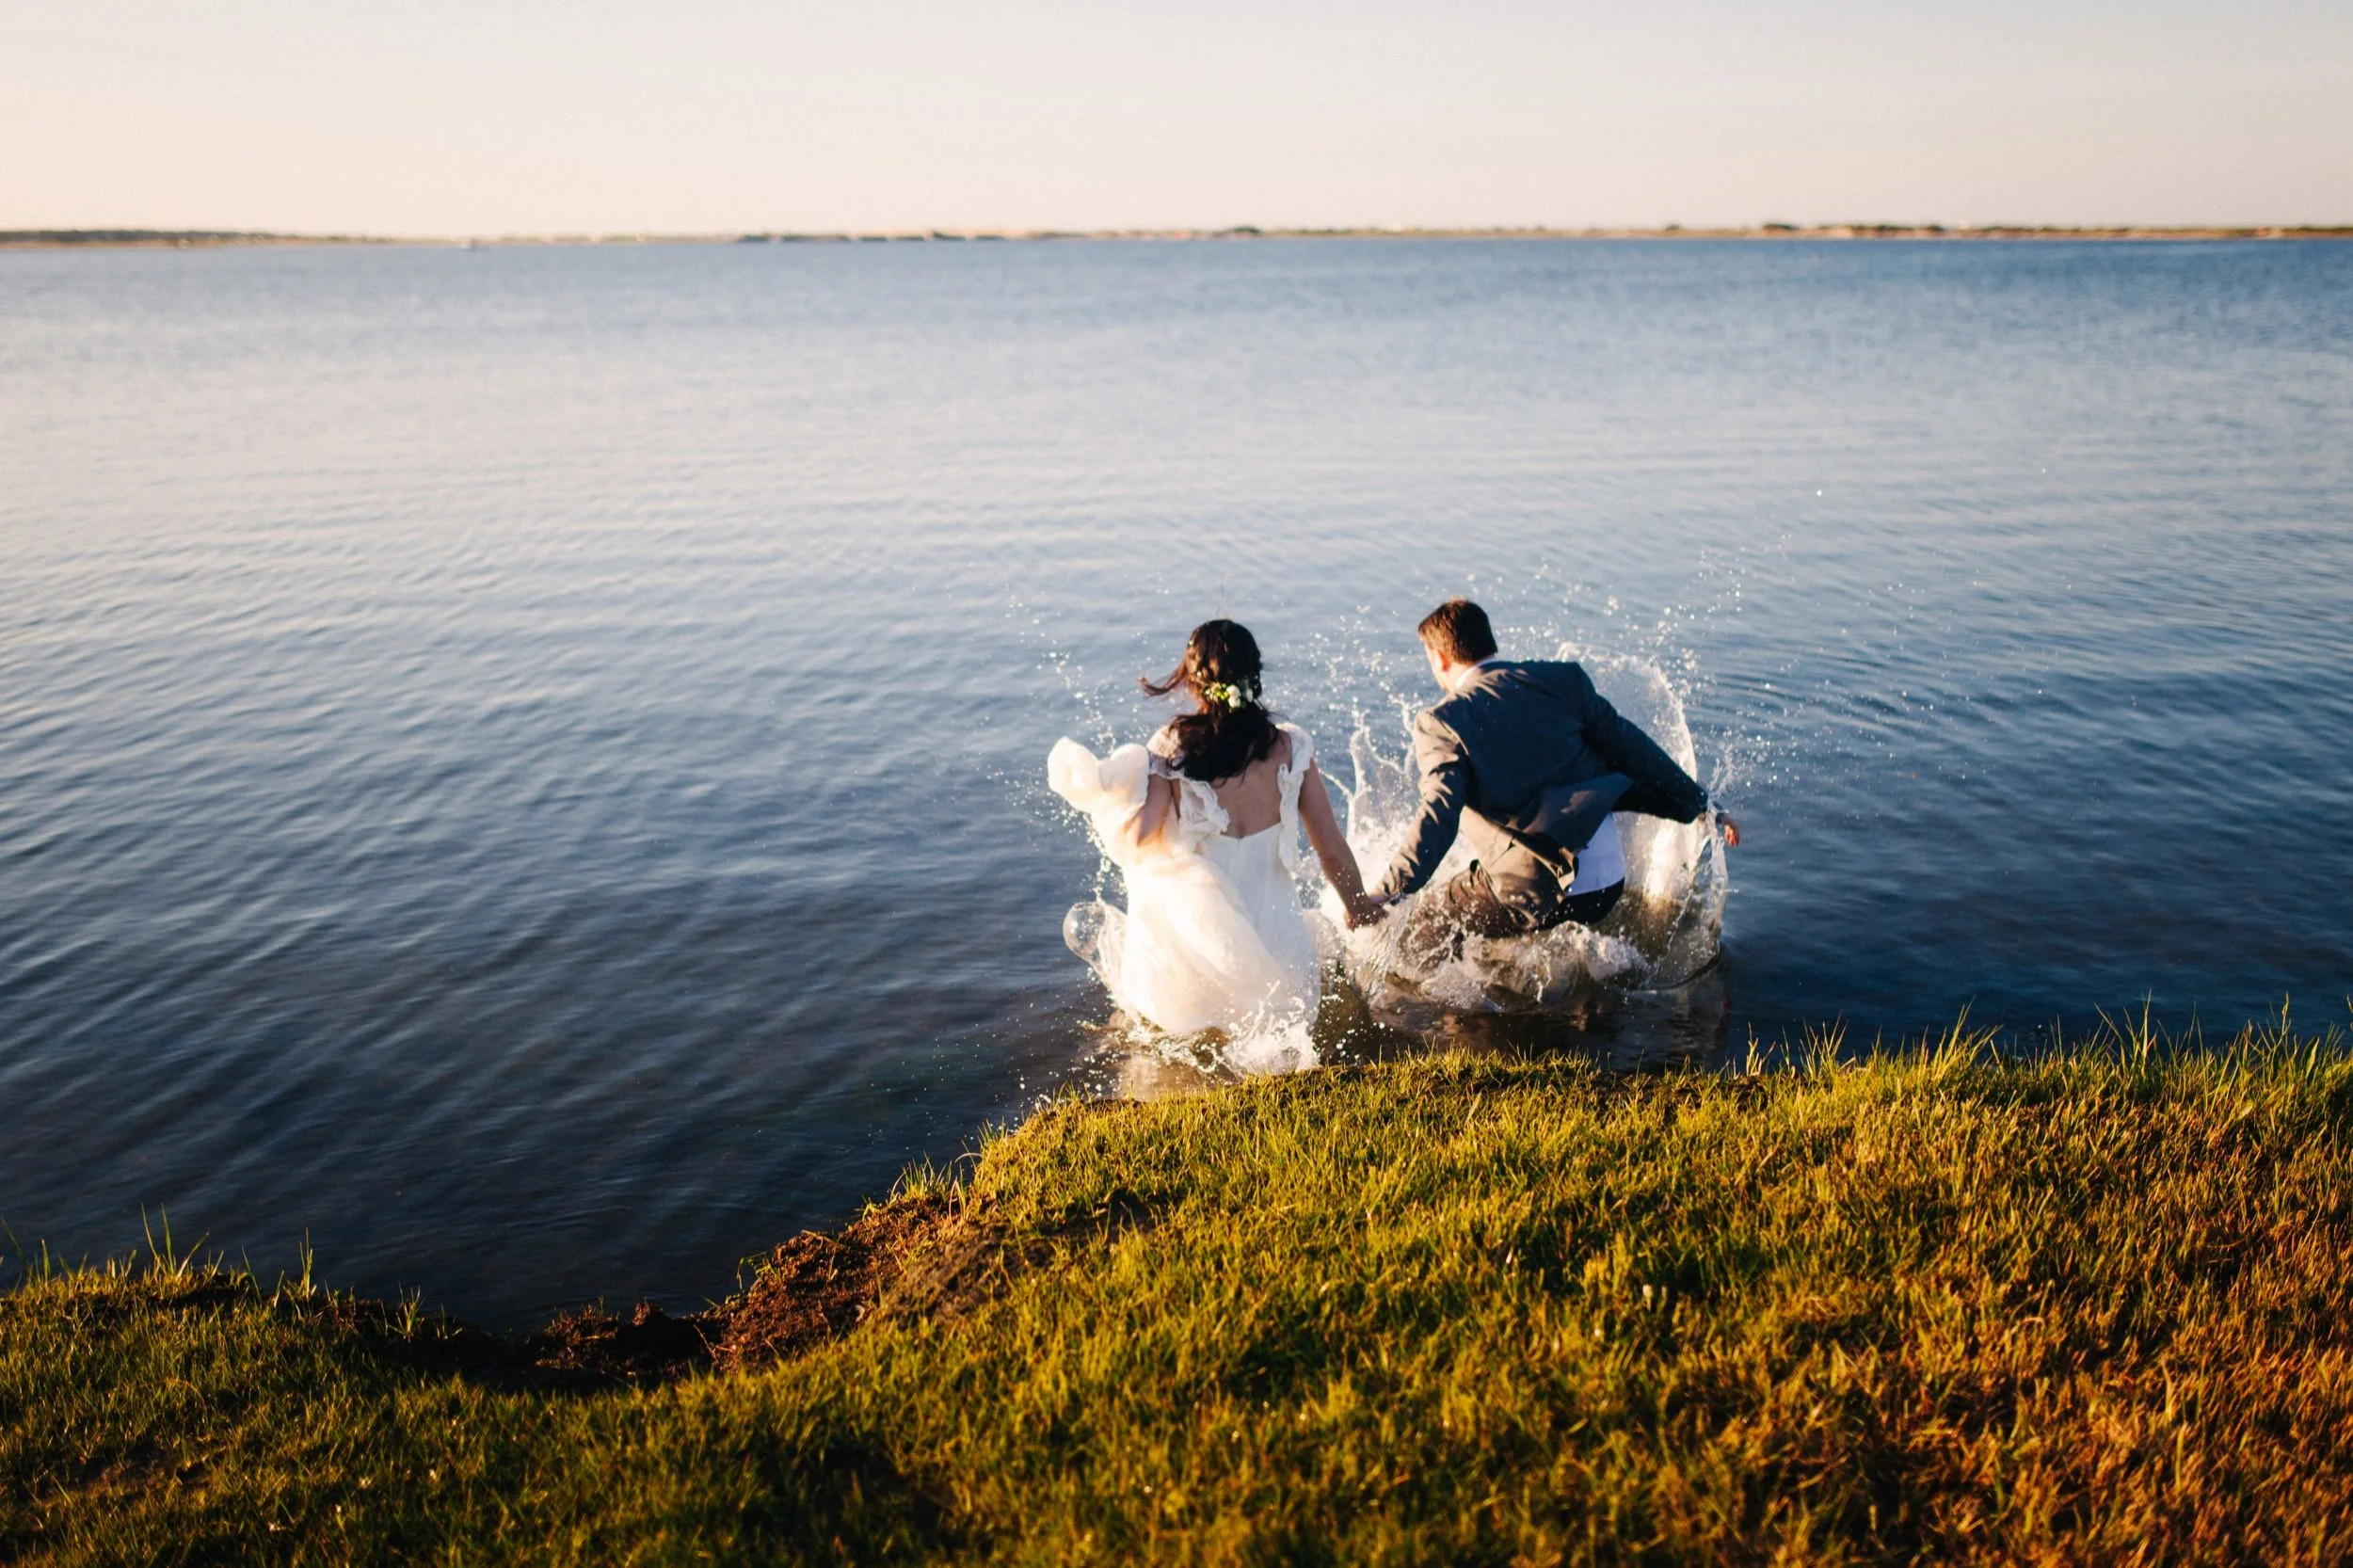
{"x": 190, "y": 238}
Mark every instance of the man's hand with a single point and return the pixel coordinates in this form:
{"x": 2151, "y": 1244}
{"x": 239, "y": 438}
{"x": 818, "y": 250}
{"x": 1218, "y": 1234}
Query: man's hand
{"x": 1365, "y": 910}
{"x": 1732, "y": 830}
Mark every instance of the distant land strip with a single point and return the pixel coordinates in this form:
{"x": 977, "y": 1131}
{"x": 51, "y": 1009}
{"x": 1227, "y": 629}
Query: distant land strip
{"x": 192, "y": 238}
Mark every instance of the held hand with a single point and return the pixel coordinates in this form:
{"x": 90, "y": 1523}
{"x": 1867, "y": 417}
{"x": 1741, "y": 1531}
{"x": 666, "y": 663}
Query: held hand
{"x": 1365, "y": 910}
{"x": 1732, "y": 831}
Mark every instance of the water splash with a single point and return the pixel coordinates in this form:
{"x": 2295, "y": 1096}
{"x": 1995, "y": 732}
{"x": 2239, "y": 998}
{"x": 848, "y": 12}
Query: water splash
{"x": 1147, "y": 1062}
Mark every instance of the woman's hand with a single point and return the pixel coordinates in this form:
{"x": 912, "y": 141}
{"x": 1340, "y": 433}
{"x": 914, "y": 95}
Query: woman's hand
{"x": 1732, "y": 830}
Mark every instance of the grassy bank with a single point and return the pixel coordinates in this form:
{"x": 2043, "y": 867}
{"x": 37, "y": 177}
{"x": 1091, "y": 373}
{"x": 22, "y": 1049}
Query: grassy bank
{"x": 1438, "y": 1310}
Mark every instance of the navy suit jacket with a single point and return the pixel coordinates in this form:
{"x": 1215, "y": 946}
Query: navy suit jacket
{"x": 1527, "y": 753}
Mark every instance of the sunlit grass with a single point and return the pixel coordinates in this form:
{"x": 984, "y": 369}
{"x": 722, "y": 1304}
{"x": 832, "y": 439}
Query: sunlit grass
{"x": 1932, "y": 1304}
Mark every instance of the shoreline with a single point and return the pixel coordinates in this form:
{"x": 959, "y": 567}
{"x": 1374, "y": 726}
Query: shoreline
{"x": 1928, "y": 1305}
{"x": 164, "y": 239}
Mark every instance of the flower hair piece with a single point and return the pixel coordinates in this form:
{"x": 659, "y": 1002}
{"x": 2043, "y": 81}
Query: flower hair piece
{"x": 1219, "y": 691}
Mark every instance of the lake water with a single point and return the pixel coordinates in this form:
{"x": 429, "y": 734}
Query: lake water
{"x": 527, "y": 765}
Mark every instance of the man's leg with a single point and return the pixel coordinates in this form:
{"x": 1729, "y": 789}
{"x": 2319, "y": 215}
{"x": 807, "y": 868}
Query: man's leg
{"x": 1513, "y": 896}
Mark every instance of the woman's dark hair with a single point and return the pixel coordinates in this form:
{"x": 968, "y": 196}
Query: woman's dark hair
{"x": 1221, "y": 671}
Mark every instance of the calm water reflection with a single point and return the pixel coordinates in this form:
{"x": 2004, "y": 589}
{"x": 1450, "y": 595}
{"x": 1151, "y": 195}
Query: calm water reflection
{"x": 528, "y": 765}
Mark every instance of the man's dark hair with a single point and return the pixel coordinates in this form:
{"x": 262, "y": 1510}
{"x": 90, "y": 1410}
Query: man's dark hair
{"x": 1458, "y": 633}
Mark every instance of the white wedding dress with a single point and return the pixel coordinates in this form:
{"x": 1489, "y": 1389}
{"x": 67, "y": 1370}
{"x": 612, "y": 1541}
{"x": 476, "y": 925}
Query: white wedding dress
{"x": 1214, "y": 936}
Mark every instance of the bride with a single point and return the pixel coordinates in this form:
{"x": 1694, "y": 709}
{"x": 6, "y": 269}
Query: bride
{"x": 1203, "y": 823}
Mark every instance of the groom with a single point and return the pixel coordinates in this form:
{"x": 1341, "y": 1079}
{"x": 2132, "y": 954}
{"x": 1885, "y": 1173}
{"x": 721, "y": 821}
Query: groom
{"x": 1529, "y": 761}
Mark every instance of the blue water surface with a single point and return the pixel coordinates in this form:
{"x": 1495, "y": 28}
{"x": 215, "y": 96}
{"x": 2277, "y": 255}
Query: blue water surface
{"x": 526, "y": 765}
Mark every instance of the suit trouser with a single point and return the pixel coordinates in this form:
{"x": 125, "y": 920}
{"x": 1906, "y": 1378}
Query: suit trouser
{"x": 1513, "y": 895}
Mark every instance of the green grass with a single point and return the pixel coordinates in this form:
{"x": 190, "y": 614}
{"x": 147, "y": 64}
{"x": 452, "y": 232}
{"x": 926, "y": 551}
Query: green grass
{"x": 1933, "y": 1306}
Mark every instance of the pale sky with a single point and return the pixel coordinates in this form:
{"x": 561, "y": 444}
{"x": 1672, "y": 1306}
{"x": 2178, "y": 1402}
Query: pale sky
{"x": 495, "y": 116}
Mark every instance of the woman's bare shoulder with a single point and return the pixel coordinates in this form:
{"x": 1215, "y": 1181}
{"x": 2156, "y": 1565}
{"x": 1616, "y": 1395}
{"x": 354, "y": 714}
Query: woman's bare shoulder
{"x": 1284, "y": 753}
